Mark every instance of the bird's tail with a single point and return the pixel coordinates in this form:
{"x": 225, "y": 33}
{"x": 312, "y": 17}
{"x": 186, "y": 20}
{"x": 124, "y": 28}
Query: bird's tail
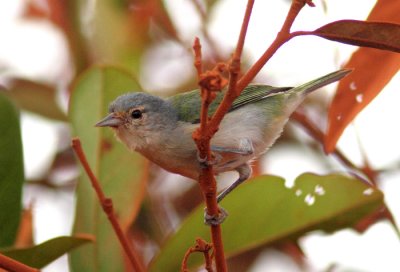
{"x": 315, "y": 84}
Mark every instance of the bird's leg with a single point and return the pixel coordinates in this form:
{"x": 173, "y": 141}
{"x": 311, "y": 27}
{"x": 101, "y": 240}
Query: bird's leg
{"x": 205, "y": 162}
{"x": 245, "y": 148}
{"x": 244, "y": 171}
{"x": 212, "y": 220}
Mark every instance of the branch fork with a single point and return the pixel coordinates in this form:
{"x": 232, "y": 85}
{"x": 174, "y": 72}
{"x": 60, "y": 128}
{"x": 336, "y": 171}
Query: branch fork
{"x": 212, "y": 81}
{"x": 202, "y": 247}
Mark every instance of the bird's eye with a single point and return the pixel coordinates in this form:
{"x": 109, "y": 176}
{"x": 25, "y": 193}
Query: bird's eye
{"x": 136, "y": 114}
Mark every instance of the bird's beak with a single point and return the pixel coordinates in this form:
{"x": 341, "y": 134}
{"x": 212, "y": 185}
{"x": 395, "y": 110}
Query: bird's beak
{"x": 111, "y": 120}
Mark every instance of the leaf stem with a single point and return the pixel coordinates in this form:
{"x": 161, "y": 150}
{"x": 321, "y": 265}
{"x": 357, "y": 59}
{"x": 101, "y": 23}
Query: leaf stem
{"x": 107, "y": 205}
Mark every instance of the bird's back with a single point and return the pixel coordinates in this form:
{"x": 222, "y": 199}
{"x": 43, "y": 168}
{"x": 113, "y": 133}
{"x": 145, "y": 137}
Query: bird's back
{"x": 188, "y": 104}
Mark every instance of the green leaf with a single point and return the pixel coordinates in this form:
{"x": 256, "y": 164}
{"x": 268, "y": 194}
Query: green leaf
{"x": 119, "y": 171}
{"x": 264, "y": 211}
{"x": 11, "y": 171}
{"x": 37, "y": 98}
{"x": 111, "y": 18}
{"x": 41, "y": 255}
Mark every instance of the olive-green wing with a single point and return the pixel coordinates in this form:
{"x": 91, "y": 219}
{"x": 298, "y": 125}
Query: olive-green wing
{"x": 188, "y": 104}
{"x": 254, "y": 93}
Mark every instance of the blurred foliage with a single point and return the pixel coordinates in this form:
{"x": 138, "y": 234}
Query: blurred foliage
{"x": 41, "y": 255}
{"x": 368, "y": 78}
{"x": 108, "y": 42}
{"x": 119, "y": 171}
{"x": 36, "y": 97}
{"x": 265, "y": 212}
{"x": 11, "y": 171}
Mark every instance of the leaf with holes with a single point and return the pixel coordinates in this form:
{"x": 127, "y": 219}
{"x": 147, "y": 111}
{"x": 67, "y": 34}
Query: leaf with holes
{"x": 264, "y": 211}
{"x": 373, "y": 69}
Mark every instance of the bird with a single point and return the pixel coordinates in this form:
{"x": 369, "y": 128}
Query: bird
{"x": 161, "y": 128}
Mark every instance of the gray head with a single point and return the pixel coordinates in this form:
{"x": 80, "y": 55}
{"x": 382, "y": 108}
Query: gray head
{"x": 136, "y": 117}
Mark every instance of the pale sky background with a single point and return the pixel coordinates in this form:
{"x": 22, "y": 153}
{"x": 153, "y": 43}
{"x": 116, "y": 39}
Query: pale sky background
{"x": 36, "y": 49}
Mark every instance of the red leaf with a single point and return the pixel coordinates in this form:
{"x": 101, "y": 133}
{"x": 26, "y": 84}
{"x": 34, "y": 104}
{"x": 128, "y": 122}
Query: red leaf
{"x": 25, "y": 229}
{"x": 373, "y": 69}
{"x": 65, "y": 16}
{"x": 32, "y": 10}
{"x": 379, "y": 35}
{"x": 52, "y": 10}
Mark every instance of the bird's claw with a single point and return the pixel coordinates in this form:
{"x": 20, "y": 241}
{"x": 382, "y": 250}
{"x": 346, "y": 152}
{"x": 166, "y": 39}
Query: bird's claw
{"x": 215, "y": 220}
{"x": 206, "y": 162}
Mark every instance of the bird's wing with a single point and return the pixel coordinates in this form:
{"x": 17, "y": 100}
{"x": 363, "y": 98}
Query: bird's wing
{"x": 256, "y": 92}
{"x": 188, "y": 104}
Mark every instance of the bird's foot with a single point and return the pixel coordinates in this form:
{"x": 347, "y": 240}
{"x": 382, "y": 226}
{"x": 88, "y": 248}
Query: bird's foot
{"x": 215, "y": 220}
{"x": 206, "y": 162}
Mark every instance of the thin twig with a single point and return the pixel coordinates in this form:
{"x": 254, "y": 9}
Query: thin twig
{"x": 283, "y": 36}
{"x": 319, "y": 136}
{"x": 200, "y": 246}
{"x": 12, "y": 265}
{"x": 234, "y": 70}
{"x": 216, "y": 55}
{"x": 107, "y": 205}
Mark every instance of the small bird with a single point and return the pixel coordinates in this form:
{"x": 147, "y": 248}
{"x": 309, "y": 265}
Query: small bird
{"x": 161, "y": 129}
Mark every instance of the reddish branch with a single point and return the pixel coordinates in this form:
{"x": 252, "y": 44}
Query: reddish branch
{"x": 14, "y": 266}
{"x": 234, "y": 71}
{"x": 319, "y": 136}
{"x": 203, "y": 247}
{"x": 107, "y": 205}
{"x": 206, "y": 179}
{"x": 282, "y": 37}
{"x": 208, "y": 127}
{"x": 216, "y": 55}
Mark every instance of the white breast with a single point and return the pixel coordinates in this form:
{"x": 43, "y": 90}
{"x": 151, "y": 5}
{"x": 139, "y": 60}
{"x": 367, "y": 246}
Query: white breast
{"x": 249, "y": 122}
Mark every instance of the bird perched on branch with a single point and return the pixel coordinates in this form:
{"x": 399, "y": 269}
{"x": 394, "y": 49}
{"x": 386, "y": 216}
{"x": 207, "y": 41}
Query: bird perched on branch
{"x": 161, "y": 129}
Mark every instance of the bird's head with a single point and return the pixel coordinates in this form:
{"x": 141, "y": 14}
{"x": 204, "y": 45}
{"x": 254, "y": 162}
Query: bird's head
{"x": 139, "y": 119}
